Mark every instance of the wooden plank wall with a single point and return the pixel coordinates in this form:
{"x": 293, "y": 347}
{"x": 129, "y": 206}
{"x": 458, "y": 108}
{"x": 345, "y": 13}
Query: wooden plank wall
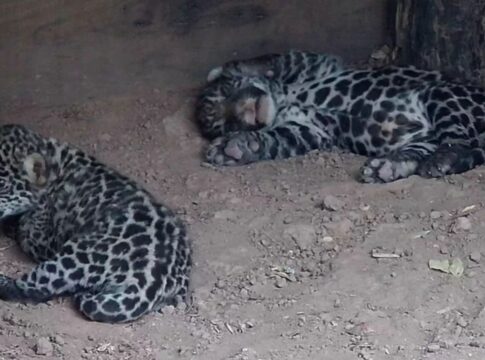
{"x": 64, "y": 51}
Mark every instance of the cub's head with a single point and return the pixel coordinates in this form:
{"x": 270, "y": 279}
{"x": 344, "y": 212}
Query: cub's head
{"x": 260, "y": 66}
{"x": 23, "y": 171}
{"x": 249, "y": 105}
{"x": 251, "y": 108}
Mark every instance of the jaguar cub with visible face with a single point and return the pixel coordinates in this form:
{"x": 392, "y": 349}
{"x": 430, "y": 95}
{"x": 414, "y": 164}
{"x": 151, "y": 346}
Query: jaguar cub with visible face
{"x": 97, "y": 235}
{"x": 407, "y": 121}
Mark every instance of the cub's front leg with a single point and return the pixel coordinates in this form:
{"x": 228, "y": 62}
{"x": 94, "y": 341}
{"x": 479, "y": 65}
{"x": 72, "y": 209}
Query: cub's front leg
{"x": 299, "y": 131}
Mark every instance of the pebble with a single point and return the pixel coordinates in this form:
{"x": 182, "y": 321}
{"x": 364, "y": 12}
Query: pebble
{"x": 332, "y": 203}
{"x": 444, "y": 250}
{"x": 287, "y": 220}
{"x": 168, "y": 310}
{"x": 302, "y": 234}
{"x": 58, "y": 340}
{"x": 435, "y": 215}
{"x": 432, "y": 348}
{"x": 225, "y": 215}
{"x": 181, "y": 307}
{"x": 328, "y": 243}
{"x": 43, "y": 347}
{"x": 364, "y": 354}
{"x": 475, "y": 256}
{"x": 220, "y": 284}
{"x": 462, "y": 223}
{"x": 280, "y": 282}
{"x": 340, "y": 228}
{"x": 462, "y": 322}
{"x": 244, "y": 293}
{"x": 337, "y": 303}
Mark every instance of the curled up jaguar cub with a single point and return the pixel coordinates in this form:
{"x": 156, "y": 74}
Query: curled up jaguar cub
{"x": 96, "y": 234}
{"x": 405, "y": 120}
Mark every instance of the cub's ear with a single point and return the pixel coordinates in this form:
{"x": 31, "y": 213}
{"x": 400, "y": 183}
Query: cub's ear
{"x": 36, "y": 169}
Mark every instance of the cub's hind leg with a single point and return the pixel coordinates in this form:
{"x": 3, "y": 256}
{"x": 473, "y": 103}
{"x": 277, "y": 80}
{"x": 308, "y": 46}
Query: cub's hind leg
{"x": 399, "y": 164}
{"x": 460, "y": 149}
{"x": 452, "y": 159}
{"x": 112, "y": 305}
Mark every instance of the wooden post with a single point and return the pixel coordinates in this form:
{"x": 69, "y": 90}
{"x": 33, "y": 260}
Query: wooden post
{"x": 446, "y": 35}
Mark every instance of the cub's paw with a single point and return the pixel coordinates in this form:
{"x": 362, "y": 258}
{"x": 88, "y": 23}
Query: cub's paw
{"x": 239, "y": 149}
{"x": 377, "y": 170}
{"x": 384, "y": 170}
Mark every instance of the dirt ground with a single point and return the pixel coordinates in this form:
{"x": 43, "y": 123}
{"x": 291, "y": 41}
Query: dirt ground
{"x": 285, "y": 252}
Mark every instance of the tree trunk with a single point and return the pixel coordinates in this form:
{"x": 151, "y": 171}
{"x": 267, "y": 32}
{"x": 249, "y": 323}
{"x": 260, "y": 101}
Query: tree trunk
{"x": 446, "y": 35}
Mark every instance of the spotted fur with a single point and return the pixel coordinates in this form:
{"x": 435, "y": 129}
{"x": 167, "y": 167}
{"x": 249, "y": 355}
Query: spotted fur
{"x": 96, "y": 234}
{"x": 407, "y": 121}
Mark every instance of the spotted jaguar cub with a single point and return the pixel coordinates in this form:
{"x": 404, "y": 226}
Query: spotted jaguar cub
{"x": 96, "y": 235}
{"x": 407, "y": 121}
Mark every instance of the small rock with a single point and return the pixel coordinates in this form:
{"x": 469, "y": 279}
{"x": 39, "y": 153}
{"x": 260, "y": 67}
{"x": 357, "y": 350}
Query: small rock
{"x": 435, "y": 215}
{"x": 168, "y": 310}
{"x": 203, "y": 195}
{"x": 432, "y": 348}
{"x": 462, "y": 322}
{"x": 472, "y": 237}
{"x": 58, "y": 340}
{"x": 403, "y": 216}
{"x": 332, "y": 203}
{"x": 181, "y": 307}
{"x": 444, "y": 250}
{"x": 349, "y": 328}
{"x": 225, "y": 215}
{"x": 475, "y": 256}
{"x": 302, "y": 234}
{"x": 280, "y": 282}
{"x": 244, "y": 293}
{"x": 220, "y": 284}
{"x": 340, "y": 228}
{"x": 355, "y": 217}
{"x": 328, "y": 243}
{"x": 364, "y": 354}
{"x": 43, "y": 347}
{"x": 337, "y": 303}
{"x": 462, "y": 223}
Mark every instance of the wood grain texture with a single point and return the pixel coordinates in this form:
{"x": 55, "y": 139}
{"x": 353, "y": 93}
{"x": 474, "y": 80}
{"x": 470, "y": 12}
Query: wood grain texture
{"x": 448, "y": 35}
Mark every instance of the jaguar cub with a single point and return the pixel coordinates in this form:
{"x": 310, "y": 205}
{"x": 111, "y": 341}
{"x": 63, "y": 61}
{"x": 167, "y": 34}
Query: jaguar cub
{"x": 96, "y": 235}
{"x": 407, "y": 121}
